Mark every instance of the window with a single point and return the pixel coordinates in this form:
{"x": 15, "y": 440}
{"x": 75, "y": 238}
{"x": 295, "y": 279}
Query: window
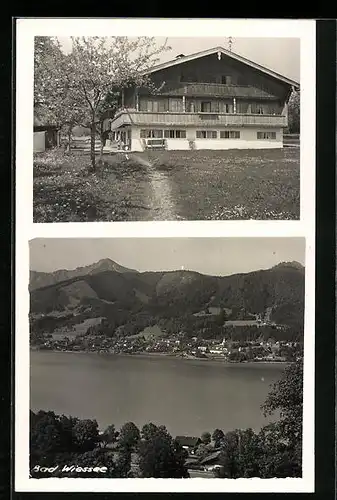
{"x": 206, "y": 134}
{"x": 257, "y": 109}
{"x": 151, "y": 134}
{"x": 176, "y": 105}
{"x": 266, "y": 135}
{"x": 205, "y": 107}
{"x": 191, "y": 106}
{"x": 273, "y": 109}
{"x": 242, "y": 107}
{"x": 210, "y": 79}
{"x": 163, "y": 105}
{"x": 175, "y": 134}
{"x": 190, "y": 77}
{"x": 230, "y": 134}
{"x": 215, "y": 106}
{"x": 241, "y": 80}
{"x": 226, "y": 107}
{"x": 153, "y": 106}
{"x": 226, "y": 79}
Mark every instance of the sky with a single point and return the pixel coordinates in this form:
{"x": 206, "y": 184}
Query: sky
{"x": 279, "y": 54}
{"x": 214, "y": 256}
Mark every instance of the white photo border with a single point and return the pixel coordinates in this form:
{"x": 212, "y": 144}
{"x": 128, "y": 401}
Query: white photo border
{"x": 26, "y": 230}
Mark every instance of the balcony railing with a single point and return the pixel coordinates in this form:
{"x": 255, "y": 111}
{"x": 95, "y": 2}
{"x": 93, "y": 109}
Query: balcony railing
{"x": 197, "y": 89}
{"x": 169, "y": 119}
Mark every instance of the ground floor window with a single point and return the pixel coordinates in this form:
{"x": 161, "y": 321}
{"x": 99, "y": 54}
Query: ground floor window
{"x": 151, "y": 134}
{"x": 175, "y": 134}
{"x": 230, "y": 134}
{"x": 207, "y": 134}
{"x": 266, "y": 135}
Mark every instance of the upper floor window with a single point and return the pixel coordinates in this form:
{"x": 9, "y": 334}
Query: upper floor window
{"x": 206, "y": 107}
{"x": 241, "y": 107}
{"x": 210, "y": 79}
{"x": 176, "y": 105}
{"x": 189, "y": 77}
{"x": 207, "y": 134}
{"x": 153, "y": 106}
{"x": 257, "y": 109}
{"x": 191, "y": 106}
{"x": 226, "y": 79}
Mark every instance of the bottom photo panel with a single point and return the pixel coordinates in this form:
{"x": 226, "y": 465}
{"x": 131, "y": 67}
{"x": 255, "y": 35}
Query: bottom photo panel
{"x": 166, "y": 357}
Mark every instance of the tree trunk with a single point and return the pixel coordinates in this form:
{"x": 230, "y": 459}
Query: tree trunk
{"x": 92, "y": 146}
{"x": 69, "y": 138}
{"x": 102, "y": 138}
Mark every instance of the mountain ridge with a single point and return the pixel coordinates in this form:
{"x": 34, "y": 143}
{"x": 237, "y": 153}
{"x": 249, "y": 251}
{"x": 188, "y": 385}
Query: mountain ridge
{"x": 173, "y": 293}
{"x": 39, "y": 279}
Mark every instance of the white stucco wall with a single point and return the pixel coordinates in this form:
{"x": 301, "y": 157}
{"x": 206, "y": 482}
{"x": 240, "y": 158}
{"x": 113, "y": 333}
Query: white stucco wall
{"x": 248, "y": 140}
{"x": 176, "y": 144}
{"x": 39, "y": 142}
{"x": 136, "y": 143}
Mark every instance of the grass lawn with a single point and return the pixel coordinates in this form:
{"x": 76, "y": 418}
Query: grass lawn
{"x": 204, "y": 185}
{"x": 65, "y": 191}
{"x": 233, "y": 184}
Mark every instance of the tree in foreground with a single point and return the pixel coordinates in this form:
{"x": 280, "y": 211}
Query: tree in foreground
{"x": 240, "y": 454}
{"x": 55, "y": 102}
{"x": 86, "y": 435}
{"x": 205, "y": 438}
{"x": 284, "y": 437}
{"x": 77, "y": 88}
{"x": 159, "y": 455}
{"x": 129, "y": 436}
{"x": 101, "y": 66}
{"x": 276, "y": 451}
{"x": 109, "y": 436}
{"x": 294, "y": 112}
{"x": 58, "y": 439}
{"x": 217, "y": 437}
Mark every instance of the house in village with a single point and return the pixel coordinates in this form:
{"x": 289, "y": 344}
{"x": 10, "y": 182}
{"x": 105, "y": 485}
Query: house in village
{"x": 189, "y": 443}
{"x": 214, "y": 99}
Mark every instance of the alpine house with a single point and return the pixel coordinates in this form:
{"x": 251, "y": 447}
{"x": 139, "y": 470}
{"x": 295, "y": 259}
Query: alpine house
{"x": 214, "y": 99}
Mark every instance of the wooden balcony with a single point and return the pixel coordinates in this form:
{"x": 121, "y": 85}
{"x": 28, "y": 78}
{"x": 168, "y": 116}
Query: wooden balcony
{"x": 197, "y": 89}
{"x": 204, "y": 120}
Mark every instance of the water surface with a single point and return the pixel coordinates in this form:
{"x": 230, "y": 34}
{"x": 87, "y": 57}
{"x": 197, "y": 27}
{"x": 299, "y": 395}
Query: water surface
{"x": 187, "y": 396}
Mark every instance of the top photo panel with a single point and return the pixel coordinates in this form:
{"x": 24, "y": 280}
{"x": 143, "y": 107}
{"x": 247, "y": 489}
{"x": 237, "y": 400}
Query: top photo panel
{"x": 166, "y": 129}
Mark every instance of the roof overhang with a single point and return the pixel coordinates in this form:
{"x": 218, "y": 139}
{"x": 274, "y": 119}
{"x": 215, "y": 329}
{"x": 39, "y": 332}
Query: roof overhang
{"x": 221, "y": 51}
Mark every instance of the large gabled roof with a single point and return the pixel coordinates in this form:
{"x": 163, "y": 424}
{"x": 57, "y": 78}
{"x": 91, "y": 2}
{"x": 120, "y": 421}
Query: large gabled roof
{"x": 210, "y": 457}
{"x": 233, "y": 55}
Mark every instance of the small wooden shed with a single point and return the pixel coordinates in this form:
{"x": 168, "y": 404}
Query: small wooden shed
{"x": 46, "y": 135}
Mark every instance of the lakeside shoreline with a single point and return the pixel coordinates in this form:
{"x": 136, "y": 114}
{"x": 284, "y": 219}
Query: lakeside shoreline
{"x": 153, "y": 355}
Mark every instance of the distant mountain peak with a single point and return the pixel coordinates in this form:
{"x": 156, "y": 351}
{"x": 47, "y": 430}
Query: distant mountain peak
{"x": 108, "y": 265}
{"x": 292, "y": 264}
{"x": 38, "y": 280}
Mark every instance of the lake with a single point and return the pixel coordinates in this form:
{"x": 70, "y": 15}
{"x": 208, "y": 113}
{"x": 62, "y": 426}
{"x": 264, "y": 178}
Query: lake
{"x": 187, "y": 396}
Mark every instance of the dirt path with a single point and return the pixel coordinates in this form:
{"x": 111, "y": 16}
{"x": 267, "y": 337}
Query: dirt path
{"x": 163, "y": 204}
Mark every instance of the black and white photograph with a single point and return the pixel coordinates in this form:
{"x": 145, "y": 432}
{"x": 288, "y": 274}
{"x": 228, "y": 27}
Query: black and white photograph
{"x": 165, "y": 256}
{"x": 166, "y": 358}
{"x": 166, "y": 128}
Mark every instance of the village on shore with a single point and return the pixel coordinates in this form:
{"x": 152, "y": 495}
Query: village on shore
{"x": 258, "y": 350}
